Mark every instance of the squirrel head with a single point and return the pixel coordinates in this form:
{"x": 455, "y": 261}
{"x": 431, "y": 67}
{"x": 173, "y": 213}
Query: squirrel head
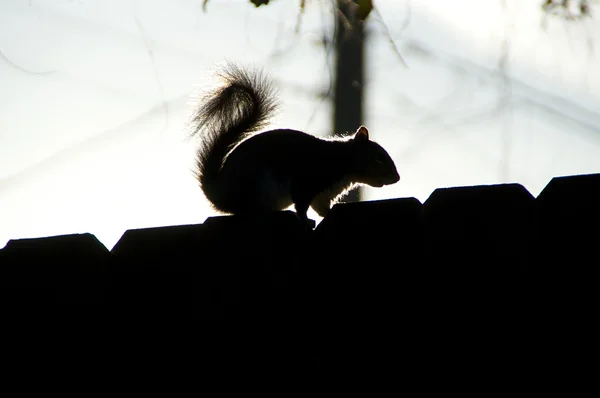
{"x": 372, "y": 164}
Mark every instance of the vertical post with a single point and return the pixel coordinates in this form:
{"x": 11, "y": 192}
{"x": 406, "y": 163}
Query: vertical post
{"x": 348, "y": 89}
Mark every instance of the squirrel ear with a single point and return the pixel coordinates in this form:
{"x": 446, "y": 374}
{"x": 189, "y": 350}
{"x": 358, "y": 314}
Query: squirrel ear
{"x": 362, "y": 134}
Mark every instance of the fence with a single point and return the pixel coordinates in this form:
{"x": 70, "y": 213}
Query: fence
{"x": 471, "y": 267}
{"x": 361, "y": 252}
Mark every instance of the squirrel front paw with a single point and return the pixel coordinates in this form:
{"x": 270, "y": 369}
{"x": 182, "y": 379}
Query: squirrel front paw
{"x": 308, "y": 224}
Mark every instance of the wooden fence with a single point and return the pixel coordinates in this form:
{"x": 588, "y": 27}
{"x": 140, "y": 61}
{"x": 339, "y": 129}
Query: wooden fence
{"x": 360, "y": 252}
{"x": 471, "y": 267}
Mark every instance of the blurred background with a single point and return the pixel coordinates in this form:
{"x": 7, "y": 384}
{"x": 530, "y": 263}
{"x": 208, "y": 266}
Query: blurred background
{"x": 95, "y": 96}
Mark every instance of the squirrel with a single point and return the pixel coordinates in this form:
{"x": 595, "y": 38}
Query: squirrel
{"x": 244, "y": 171}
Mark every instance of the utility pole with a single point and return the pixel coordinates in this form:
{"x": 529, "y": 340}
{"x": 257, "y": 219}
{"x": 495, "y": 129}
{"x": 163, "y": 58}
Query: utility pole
{"x": 349, "y": 70}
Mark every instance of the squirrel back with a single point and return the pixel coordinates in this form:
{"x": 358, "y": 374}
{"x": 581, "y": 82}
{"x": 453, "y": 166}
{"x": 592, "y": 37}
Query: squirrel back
{"x": 242, "y": 171}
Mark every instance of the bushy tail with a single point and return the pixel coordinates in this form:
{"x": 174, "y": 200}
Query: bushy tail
{"x": 243, "y": 104}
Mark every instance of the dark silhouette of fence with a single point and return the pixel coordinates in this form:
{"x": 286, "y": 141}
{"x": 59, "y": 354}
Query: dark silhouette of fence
{"x": 392, "y": 271}
{"x": 272, "y": 266}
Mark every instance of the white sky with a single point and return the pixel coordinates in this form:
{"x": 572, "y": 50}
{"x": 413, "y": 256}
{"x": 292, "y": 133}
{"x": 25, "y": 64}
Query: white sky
{"x": 94, "y": 99}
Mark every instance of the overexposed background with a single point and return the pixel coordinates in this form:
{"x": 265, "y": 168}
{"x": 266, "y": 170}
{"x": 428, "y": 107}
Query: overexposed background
{"x": 95, "y": 95}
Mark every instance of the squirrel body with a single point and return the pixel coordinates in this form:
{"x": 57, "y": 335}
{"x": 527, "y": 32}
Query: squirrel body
{"x": 242, "y": 171}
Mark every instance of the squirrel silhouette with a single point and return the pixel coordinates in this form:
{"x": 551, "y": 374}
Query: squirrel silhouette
{"x": 244, "y": 171}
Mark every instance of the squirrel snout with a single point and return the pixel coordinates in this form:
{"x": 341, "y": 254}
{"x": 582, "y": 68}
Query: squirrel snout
{"x": 391, "y": 178}
{"x": 382, "y": 180}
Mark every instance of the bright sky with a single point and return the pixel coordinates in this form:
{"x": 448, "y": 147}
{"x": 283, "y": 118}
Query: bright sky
{"x": 95, "y": 95}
